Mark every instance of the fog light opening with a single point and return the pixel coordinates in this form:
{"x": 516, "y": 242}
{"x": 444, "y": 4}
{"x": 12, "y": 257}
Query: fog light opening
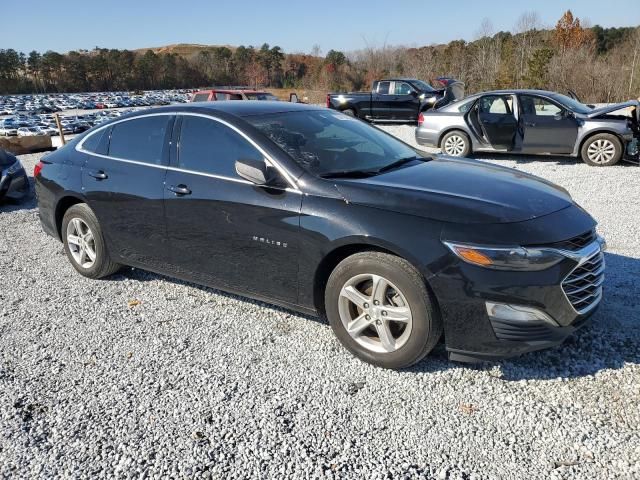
{"x": 518, "y": 313}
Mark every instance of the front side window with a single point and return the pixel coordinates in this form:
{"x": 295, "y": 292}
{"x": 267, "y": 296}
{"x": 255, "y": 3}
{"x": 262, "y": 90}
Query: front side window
{"x": 538, "y": 106}
{"x": 208, "y": 146}
{"x": 141, "y": 139}
{"x": 325, "y": 142}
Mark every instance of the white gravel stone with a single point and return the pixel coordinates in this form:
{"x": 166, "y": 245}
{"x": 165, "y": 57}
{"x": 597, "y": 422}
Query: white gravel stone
{"x": 195, "y": 383}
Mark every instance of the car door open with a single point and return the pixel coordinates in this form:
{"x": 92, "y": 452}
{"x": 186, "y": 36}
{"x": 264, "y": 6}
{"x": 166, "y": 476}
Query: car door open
{"x": 495, "y": 119}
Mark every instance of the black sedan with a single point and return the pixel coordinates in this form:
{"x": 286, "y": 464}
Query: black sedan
{"x": 319, "y": 212}
{"x": 14, "y": 183}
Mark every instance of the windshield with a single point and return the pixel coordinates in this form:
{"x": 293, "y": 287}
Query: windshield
{"x": 328, "y": 143}
{"x": 260, "y": 96}
{"x": 572, "y": 104}
{"x": 423, "y": 86}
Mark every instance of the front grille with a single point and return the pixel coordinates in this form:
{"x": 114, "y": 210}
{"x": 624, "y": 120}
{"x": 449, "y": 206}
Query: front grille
{"x": 575, "y": 243}
{"x": 583, "y": 286}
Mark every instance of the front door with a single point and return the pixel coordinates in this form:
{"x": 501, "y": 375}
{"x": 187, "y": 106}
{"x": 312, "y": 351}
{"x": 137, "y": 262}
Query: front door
{"x": 123, "y": 181}
{"x": 223, "y": 230}
{"x": 547, "y": 126}
{"x": 497, "y": 121}
{"x": 406, "y": 102}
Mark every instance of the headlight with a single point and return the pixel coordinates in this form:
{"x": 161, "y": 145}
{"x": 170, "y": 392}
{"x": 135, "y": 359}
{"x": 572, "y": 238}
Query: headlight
{"x": 506, "y": 258}
{"x": 16, "y": 167}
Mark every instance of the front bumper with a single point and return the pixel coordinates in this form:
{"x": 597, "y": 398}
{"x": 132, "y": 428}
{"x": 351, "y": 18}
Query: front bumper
{"x": 14, "y": 184}
{"x": 567, "y": 294}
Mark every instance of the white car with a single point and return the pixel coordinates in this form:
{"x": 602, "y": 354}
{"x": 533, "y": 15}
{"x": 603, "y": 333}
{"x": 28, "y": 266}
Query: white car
{"x": 29, "y": 132}
{"x": 8, "y": 131}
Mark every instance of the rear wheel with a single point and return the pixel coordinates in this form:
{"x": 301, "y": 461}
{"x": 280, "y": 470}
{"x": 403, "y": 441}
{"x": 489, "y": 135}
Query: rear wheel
{"x": 602, "y": 150}
{"x": 381, "y": 311}
{"x": 456, "y": 144}
{"x": 349, "y": 111}
{"x": 84, "y": 244}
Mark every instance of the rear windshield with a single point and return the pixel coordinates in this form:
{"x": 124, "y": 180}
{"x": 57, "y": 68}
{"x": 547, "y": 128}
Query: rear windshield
{"x": 260, "y": 96}
{"x": 324, "y": 141}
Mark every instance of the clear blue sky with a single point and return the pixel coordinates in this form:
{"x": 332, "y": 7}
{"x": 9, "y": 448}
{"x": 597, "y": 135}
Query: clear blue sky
{"x": 295, "y": 26}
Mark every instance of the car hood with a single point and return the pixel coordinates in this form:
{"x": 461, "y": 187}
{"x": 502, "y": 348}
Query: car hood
{"x": 614, "y": 107}
{"x": 458, "y": 190}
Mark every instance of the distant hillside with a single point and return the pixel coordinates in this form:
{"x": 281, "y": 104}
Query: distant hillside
{"x": 182, "y": 49}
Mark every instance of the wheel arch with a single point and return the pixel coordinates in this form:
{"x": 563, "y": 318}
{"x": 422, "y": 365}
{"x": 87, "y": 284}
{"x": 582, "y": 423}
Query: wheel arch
{"x": 597, "y": 131}
{"x": 65, "y": 203}
{"x": 452, "y": 129}
{"x": 340, "y": 252}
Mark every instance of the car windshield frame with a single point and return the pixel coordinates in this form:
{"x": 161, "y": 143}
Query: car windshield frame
{"x": 330, "y": 144}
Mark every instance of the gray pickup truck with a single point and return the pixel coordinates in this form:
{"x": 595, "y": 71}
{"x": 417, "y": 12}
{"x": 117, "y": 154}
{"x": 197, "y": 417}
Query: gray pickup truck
{"x": 396, "y": 99}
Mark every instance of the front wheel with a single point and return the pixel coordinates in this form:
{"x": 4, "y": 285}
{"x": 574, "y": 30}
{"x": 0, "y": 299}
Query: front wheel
{"x": 456, "y": 144}
{"x": 84, "y": 244}
{"x": 602, "y": 150}
{"x": 380, "y": 309}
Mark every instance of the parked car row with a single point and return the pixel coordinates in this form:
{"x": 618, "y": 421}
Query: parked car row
{"x": 56, "y": 102}
{"x": 44, "y": 124}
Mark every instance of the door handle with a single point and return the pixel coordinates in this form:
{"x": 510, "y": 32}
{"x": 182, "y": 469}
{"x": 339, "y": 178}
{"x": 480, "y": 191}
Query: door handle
{"x": 529, "y": 124}
{"x": 180, "y": 190}
{"x": 99, "y": 175}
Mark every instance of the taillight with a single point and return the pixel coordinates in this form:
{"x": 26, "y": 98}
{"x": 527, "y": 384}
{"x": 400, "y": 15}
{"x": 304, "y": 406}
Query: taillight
{"x": 328, "y": 100}
{"x": 37, "y": 169}
{"x": 420, "y": 119}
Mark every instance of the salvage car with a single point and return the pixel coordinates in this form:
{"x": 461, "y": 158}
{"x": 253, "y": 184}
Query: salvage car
{"x": 238, "y": 93}
{"x": 532, "y": 122}
{"x": 396, "y": 99}
{"x": 319, "y": 212}
{"x": 14, "y": 183}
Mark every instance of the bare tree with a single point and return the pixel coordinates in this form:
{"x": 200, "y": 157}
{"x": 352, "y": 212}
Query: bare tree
{"x": 525, "y": 29}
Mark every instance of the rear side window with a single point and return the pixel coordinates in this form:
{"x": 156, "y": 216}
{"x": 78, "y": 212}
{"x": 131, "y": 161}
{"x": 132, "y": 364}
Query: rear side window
{"x": 94, "y": 142}
{"x": 383, "y": 88}
{"x": 142, "y": 139}
{"x": 211, "y": 147}
{"x": 222, "y": 96}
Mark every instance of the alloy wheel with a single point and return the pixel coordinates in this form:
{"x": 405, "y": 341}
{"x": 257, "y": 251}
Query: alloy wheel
{"x": 375, "y": 313}
{"x": 601, "y": 151}
{"x": 81, "y": 243}
{"x": 454, "y": 145}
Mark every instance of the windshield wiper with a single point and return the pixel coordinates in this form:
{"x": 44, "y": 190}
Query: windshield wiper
{"x": 349, "y": 174}
{"x": 397, "y": 163}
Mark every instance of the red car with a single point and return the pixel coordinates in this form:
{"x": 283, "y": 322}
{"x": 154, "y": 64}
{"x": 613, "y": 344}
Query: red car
{"x": 212, "y": 95}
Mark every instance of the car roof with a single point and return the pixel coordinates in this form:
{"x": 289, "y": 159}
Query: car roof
{"x": 547, "y": 93}
{"x": 239, "y": 108}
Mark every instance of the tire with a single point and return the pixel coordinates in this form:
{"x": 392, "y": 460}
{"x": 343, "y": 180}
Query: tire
{"x": 602, "y": 150}
{"x": 79, "y": 222}
{"x": 456, "y": 143}
{"x": 349, "y": 111}
{"x": 404, "y": 296}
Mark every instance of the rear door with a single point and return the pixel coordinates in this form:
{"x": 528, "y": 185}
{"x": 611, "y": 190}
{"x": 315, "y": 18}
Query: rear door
{"x": 548, "y": 127}
{"x": 123, "y": 181}
{"x": 496, "y": 120}
{"x": 224, "y": 230}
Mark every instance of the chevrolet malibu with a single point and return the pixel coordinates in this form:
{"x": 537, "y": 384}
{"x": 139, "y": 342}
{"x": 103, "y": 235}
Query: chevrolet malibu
{"x": 319, "y": 212}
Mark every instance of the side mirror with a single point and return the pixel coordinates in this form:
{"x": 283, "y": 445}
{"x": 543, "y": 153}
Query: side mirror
{"x": 414, "y": 93}
{"x": 256, "y": 171}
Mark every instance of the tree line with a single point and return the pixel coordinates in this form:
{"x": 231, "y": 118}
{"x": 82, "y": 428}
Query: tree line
{"x": 599, "y": 64}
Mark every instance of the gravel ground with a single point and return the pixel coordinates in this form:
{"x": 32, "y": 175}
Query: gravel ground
{"x": 142, "y": 375}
